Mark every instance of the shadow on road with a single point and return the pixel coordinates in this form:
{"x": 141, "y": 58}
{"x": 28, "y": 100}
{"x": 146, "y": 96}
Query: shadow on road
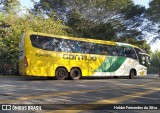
{"x": 32, "y": 78}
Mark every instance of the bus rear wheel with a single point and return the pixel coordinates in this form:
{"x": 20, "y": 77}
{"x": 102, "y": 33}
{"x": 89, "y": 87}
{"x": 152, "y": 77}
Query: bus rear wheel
{"x": 75, "y": 74}
{"x": 132, "y": 74}
{"x": 61, "y": 73}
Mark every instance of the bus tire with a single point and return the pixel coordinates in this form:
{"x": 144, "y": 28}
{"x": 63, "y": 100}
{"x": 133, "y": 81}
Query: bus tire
{"x": 132, "y": 74}
{"x": 75, "y": 74}
{"x": 61, "y": 73}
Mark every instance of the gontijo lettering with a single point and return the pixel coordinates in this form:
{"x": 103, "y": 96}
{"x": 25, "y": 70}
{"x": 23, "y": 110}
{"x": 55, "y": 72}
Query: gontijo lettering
{"x": 79, "y": 57}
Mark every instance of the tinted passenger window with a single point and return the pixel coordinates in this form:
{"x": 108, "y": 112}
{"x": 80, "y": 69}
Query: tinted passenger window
{"x": 129, "y": 52}
{"x": 66, "y": 45}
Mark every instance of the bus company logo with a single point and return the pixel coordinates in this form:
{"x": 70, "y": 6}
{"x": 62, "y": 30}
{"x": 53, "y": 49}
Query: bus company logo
{"x": 142, "y": 73}
{"x": 79, "y": 57}
{"x": 6, "y": 107}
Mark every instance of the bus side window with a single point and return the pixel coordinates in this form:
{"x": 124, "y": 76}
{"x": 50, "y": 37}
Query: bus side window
{"x": 54, "y": 45}
{"x": 35, "y": 40}
{"x": 129, "y": 52}
{"x": 76, "y": 47}
{"x": 114, "y": 51}
{"x": 66, "y": 46}
{"x": 121, "y": 52}
{"x": 92, "y": 48}
{"x": 46, "y": 43}
{"x": 71, "y": 45}
{"x": 118, "y": 51}
{"x": 102, "y": 49}
{"x": 83, "y": 48}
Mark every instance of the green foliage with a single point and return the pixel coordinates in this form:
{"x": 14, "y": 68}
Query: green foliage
{"x": 9, "y": 6}
{"x": 155, "y": 62}
{"x": 156, "y": 59}
{"x": 101, "y": 19}
{"x": 133, "y": 10}
{"x": 1, "y": 16}
{"x": 153, "y": 14}
{"x": 142, "y": 43}
{"x": 153, "y": 11}
{"x": 49, "y": 7}
{"x": 11, "y": 28}
{"x": 63, "y": 7}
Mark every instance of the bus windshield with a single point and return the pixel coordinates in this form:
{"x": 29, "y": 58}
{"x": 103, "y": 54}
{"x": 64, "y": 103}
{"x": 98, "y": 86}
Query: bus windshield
{"x": 144, "y": 59}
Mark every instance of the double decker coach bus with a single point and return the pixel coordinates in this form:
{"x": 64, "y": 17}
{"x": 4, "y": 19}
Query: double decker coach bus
{"x": 65, "y": 57}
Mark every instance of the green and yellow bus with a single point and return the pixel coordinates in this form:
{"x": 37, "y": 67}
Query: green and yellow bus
{"x": 65, "y": 57}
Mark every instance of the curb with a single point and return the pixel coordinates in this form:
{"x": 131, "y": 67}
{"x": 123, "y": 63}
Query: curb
{"x": 11, "y": 76}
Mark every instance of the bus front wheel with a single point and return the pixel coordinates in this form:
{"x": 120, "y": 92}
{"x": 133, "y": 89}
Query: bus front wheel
{"x": 75, "y": 74}
{"x": 132, "y": 74}
{"x": 61, "y": 73}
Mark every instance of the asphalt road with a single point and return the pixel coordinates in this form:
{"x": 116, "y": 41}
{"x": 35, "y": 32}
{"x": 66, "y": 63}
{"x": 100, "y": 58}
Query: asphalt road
{"x": 74, "y": 95}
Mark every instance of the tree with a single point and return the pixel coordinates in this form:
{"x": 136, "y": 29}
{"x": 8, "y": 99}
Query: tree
{"x": 96, "y": 18}
{"x": 95, "y": 10}
{"x": 12, "y": 26}
{"x": 153, "y": 11}
{"x": 153, "y": 14}
{"x": 9, "y": 6}
{"x": 155, "y": 62}
{"x": 133, "y": 19}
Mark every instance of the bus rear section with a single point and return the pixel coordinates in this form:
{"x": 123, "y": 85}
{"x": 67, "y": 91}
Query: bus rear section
{"x": 24, "y": 56}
